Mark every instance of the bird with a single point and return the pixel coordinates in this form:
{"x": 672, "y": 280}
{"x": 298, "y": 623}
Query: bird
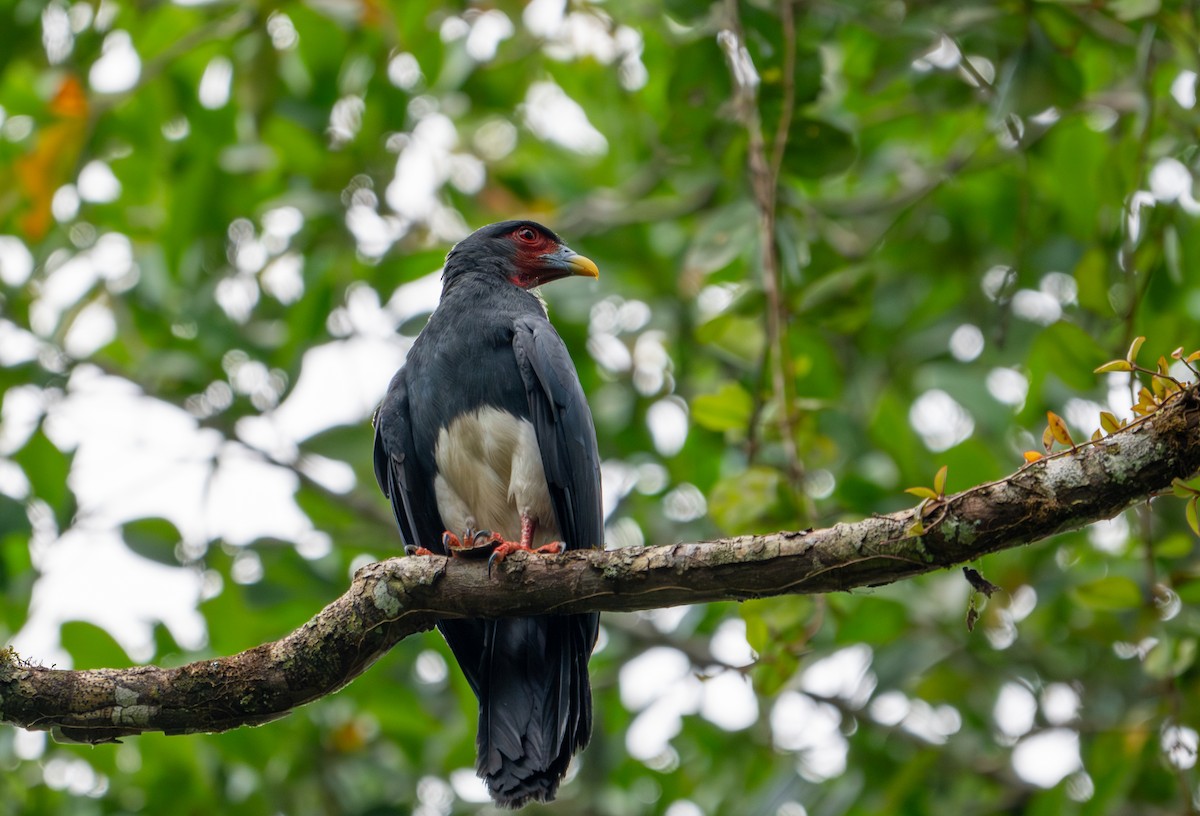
{"x": 485, "y": 442}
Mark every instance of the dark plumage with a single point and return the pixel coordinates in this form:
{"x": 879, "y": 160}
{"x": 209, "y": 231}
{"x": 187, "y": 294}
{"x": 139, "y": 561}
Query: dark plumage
{"x": 486, "y": 427}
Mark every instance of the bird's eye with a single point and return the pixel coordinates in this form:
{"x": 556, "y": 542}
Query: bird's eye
{"x": 527, "y": 235}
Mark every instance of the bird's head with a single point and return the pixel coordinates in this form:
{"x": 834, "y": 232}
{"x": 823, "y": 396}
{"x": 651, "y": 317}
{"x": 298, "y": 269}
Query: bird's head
{"x": 522, "y": 252}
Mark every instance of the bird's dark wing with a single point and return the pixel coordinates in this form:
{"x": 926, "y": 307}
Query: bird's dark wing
{"x": 563, "y": 424}
{"x": 396, "y": 469}
{"x": 414, "y": 504}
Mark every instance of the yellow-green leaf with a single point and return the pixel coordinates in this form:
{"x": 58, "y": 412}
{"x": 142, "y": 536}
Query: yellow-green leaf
{"x": 729, "y": 409}
{"x": 921, "y": 492}
{"x": 1190, "y": 512}
{"x": 939, "y": 481}
{"x": 1114, "y": 365}
{"x": 1134, "y": 348}
{"x": 1176, "y": 545}
{"x": 1109, "y": 422}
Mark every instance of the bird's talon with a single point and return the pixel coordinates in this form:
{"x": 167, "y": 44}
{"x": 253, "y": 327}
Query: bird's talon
{"x": 507, "y": 548}
{"x": 484, "y": 537}
{"x": 473, "y": 544}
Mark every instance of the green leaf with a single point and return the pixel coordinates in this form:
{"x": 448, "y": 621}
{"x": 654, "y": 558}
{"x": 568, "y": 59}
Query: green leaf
{"x": 92, "y": 647}
{"x": 46, "y": 467}
{"x": 1112, "y": 593}
{"x": 686, "y": 11}
{"x": 757, "y": 633}
{"x": 1176, "y": 545}
{"x": 153, "y": 538}
{"x": 764, "y": 33}
{"x": 724, "y": 235}
{"x": 1042, "y": 76}
{"x": 816, "y": 149}
{"x": 737, "y": 335}
{"x": 1170, "y": 657}
{"x": 1066, "y": 351}
{"x": 882, "y": 622}
{"x": 1191, "y": 514}
{"x": 1091, "y": 279}
{"x": 729, "y": 409}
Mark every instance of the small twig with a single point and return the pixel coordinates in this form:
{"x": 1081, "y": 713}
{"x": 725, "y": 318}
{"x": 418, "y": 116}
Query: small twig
{"x": 764, "y": 177}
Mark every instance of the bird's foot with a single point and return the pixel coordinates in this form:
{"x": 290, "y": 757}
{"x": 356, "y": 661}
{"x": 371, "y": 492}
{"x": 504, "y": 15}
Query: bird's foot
{"x": 411, "y": 550}
{"x": 507, "y": 548}
{"x": 473, "y": 544}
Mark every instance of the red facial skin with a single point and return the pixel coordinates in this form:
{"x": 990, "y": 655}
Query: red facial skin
{"x": 531, "y": 246}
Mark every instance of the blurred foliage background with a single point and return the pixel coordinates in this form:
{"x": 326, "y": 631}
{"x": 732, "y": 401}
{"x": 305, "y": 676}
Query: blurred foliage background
{"x": 841, "y": 245}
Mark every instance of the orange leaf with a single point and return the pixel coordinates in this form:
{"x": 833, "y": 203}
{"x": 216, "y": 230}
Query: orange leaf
{"x": 1032, "y": 456}
{"x": 1058, "y": 429}
{"x": 71, "y": 99}
{"x": 50, "y": 163}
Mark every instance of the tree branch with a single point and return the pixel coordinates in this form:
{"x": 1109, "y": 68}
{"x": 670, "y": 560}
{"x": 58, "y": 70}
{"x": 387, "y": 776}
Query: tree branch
{"x": 392, "y": 599}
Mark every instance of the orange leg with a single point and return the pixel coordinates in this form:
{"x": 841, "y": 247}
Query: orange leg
{"x": 528, "y": 528}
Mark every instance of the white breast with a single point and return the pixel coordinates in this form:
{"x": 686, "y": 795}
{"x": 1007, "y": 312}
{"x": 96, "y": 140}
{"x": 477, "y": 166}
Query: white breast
{"x": 490, "y": 473}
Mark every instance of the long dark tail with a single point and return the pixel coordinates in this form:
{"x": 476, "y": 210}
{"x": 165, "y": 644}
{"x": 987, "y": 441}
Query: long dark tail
{"x": 535, "y": 701}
